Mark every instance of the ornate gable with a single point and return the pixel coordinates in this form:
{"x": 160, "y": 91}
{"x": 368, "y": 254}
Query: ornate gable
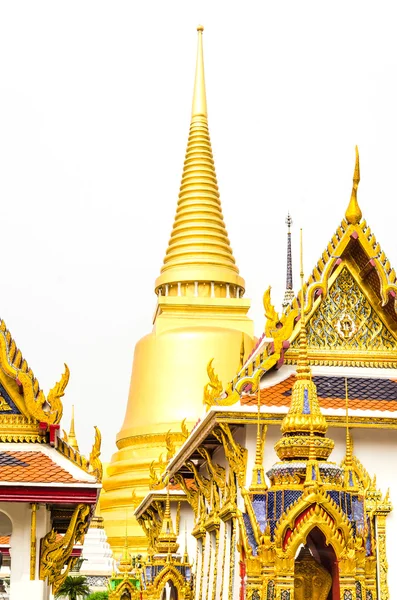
{"x": 346, "y": 320}
{"x": 350, "y": 299}
{"x": 25, "y": 412}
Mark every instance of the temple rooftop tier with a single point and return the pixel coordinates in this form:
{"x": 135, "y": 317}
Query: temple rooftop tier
{"x": 48, "y": 490}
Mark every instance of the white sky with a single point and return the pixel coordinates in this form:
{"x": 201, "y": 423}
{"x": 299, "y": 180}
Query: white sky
{"x": 95, "y": 105}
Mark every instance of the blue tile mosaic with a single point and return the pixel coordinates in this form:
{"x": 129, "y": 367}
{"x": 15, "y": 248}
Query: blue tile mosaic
{"x": 250, "y": 534}
{"x": 14, "y": 410}
{"x": 259, "y": 506}
{"x": 279, "y": 504}
{"x": 306, "y": 405}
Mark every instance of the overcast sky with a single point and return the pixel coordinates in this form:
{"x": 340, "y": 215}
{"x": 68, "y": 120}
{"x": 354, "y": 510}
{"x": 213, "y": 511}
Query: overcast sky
{"x": 95, "y": 106}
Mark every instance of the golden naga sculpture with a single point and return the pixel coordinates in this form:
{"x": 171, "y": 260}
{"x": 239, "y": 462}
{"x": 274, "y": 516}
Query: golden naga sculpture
{"x": 95, "y": 463}
{"x": 55, "y": 557}
{"x": 236, "y": 455}
{"x": 277, "y": 327}
{"x": 156, "y": 477}
{"x": 212, "y": 389}
{"x": 184, "y": 429}
{"x": 32, "y": 402}
{"x": 169, "y": 445}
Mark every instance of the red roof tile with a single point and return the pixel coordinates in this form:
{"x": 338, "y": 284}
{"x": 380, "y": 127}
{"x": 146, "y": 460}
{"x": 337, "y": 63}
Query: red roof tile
{"x": 31, "y": 467}
{"x": 365, "y": 393}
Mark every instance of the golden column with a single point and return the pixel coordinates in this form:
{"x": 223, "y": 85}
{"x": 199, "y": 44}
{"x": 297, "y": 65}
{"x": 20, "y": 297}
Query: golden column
{"x": 200, "y": 314}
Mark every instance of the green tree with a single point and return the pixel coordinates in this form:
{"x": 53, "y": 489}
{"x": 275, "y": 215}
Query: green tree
{"x": 73, "y": 588}
{"x": 98, "y": 596}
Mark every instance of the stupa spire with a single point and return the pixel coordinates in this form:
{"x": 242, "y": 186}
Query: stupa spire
{"x": 289, "y": 292}
{"x": 304, "y": 421}
{"x": 72, "y": 440}
{"x": 199, "y": 250}
{"x": 353, "y": 213}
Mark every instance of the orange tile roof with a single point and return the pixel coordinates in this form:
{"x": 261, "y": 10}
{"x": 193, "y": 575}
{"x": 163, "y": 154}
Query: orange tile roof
{"x": 31, "y": 467}
{"x": 4, "y": 540}
{"x": 364, "y": 393}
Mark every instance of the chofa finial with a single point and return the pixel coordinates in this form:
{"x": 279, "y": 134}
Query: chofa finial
{"x": 353, "y": 213}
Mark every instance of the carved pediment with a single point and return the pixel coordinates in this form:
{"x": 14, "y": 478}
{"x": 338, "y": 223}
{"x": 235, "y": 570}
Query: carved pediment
{"x": 346, "y": 320}
{"x": 346, "y": 326}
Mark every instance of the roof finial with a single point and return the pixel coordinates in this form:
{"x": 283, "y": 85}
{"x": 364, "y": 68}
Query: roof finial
{"x": 303, "y": 369}
{"x": 125, "y": 564}
{"x": 258, "y": 474}
{"x": 199, "y": 107}
{"x": 185, "y": 554}
{"x": 349, "y": 472}
{"x": 289, "y": 292}
{"x": 353, "y": 213}
{"x": 72, "y": 440}
{"x": 349, "y": 445}
{"x": 166, "y": 541}
{"x": 304, "y": 426}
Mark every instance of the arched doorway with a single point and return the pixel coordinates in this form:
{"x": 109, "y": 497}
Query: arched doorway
{"x": 5, "y": 554}
{"x": 325, "y": 555}
{"x": 169, "y": 592}
{"x": 316, "y": 567}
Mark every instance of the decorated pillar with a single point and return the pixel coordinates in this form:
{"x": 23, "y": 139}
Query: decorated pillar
{"x": 21, "y": 583}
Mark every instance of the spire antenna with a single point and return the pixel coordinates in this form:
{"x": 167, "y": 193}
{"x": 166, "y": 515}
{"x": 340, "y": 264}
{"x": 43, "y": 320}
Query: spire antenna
{"x": 289, "y": 292}
{"x": 353, "y": 213}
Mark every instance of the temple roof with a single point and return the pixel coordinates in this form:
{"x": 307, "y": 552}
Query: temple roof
{"x": 32, "y": 450}
{"x": 35, "y": 463}
{"x": 350, "y": 298}
{"x": 365, "y": 393}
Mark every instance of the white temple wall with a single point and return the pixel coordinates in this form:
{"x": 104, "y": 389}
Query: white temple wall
{"x": 186, "y": 520}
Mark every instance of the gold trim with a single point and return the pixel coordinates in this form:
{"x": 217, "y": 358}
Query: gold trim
{"x": 215, "y": 573}
{"x": 202, "y": 566}
{"x": 153, "y": 439}
{"x": 232, "y": 556}
{"x": 33, "y": 545}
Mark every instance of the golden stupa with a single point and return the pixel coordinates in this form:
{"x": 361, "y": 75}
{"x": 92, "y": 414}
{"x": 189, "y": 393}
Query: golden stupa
{"x": 201, "y": 314}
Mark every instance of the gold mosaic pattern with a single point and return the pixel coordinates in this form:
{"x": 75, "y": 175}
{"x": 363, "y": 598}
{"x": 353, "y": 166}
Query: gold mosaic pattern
{"x": 346, "y": 320}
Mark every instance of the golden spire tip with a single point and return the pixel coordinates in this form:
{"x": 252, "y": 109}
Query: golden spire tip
{"x": 199, "y": 107}
{"x": 353, "y": 213}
